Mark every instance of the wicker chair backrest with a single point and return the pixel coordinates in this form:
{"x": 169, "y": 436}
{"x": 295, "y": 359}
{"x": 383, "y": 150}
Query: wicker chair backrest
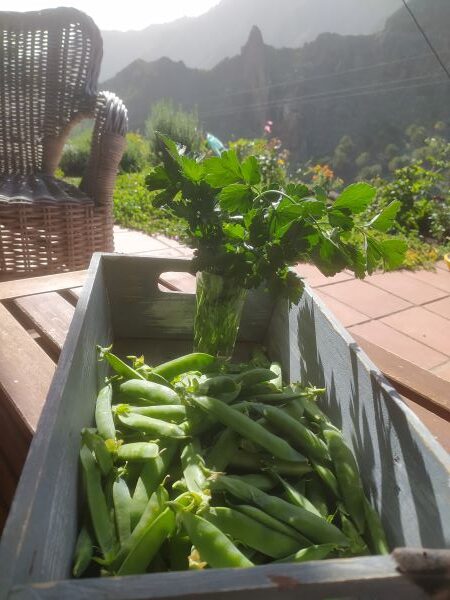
{"x": 49, "y": 68}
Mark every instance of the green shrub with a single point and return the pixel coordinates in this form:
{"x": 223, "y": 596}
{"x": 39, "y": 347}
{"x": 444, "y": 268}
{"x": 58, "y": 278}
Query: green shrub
{"x": 135, "y": 156}
{"x": 181, "y": 126}
{"x": 76, "y": 154}
{"x": 273, "y": 159}
{"x": 133, "y": 207}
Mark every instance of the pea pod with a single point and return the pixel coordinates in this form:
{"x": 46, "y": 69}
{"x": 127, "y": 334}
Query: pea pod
{"x": 127, "y": 372}
{"x": 299, "y": 435}
{"x": 149, "y": 392}
{"x": 250, "y": 532}
{"x": 328, "y": 478}
{"x": 212, "y": 544}
{"x": 98, "y": 509}
{"x": 122, "y": 506}
{"x": 254, "y": 376}
{"x": 374, "y": 531}
{"x": 312, "y": 553}
{"x": 316, "y": 494}
{"x": 193, "y": 467}
{"x": 246, "y": 461}
{"x": 223, "y": 450}
{"x": 275, "y": 367}
{"x": 295, "y": 497}
{"x": 84, "y": 550}
{"x": 222, "y": 387}
{"x": 175, "y": 413}
{"x": 151, "y": 426}
{"x": 247, "y": 428}
{"x": 138, "y": 451}
{"x": 197, "y": 361}
{"x": 152, "y": 538}
{"x": 273, "y": 523}
{"x": 313, "y": 527}
{"x": 103, "y": 414}
{"x": 347, "y": 476}
{"x": 294, "y": 409}
{"x": 260, "y": 480}
{"x": 96, "y": 444}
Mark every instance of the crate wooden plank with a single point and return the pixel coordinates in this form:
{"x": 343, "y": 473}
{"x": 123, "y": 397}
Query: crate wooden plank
{"x": 50, "y": 314}
{"x": 139, "y": 308}
{"x": 374, "y": 577}
{"x": 25, "y": 370}
{"x": 38, "y": 285}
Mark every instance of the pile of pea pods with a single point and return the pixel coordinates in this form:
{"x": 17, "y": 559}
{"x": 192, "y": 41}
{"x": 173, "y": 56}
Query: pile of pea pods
{"x": 199, "y": 464}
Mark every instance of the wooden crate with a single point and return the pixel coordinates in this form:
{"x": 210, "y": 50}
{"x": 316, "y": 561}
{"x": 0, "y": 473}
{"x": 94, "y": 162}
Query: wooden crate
{"x": 406, "y": 473}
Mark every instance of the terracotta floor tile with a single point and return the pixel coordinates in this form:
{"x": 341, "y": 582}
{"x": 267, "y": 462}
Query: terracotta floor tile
{"x": 439, "y": 278}
{"x": 441, "y": 264}
{"x": 443, "y": 371}
{"x": 438, "y": 426}
{"x": 366, "y": 298}
{"x": 398, "y": 283}
{"x": 345, "y": 314}
{"x": 315, "y": 278}
{"x": 424, "y": 326}
{"x": 127, "y": 242}
{"x": 384, "y": 336}
{"x": 184, "y": 282}
{"x": 440, "y": 307}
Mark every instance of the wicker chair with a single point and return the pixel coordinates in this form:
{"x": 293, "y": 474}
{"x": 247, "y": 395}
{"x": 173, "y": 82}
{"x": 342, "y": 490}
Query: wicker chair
{"x": 49, "y": 67}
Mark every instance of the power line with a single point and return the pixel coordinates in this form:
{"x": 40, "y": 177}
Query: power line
{"x": 328, "y": 94}
{"x": 426, "y": 38}
{"x": 317, "y": 77}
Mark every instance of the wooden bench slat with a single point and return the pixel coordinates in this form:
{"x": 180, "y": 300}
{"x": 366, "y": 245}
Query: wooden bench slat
{"x": 50, "y": 314}
{"x": 25, "y": 370}
{"x": 37, "y": 285}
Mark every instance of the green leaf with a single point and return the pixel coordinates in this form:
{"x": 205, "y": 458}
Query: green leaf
{"x": 297, "y": 190}
{"x": 384, "y": 220}
{"x": 340, "y": 218}
{"x": 250, "y": 170}
{"x": 157, "y": 179}
{"x": 234, "y": 231}
{"x": 320, "y": 193}
{"x": 192, "y": 169}
{"x": 170, "y": 146}
{"x": 235, "y": 198}
{"x": 393, "y": 252}
{"x": 356, "y": 197}
{"x": 223, "y": 170}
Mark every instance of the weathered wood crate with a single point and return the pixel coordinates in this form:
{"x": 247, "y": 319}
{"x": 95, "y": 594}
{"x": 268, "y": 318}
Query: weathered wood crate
{"x": 406, "y": 473}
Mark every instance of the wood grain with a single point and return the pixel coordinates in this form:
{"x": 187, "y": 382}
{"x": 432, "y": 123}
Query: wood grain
{"x": 50, "y": 314}
{"x": 25, "y": 370}
{"x": 38, "y": 285}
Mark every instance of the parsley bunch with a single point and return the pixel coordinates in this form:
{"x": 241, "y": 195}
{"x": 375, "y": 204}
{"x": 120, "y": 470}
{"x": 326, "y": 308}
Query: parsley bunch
{"x": 251, "y": 233}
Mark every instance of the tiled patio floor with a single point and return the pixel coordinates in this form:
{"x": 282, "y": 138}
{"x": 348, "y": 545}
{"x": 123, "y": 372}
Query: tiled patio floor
{"x": 404, "y": 312}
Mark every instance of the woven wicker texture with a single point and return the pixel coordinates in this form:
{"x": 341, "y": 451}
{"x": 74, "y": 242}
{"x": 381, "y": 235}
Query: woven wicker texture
{"x": 49, "y": 67}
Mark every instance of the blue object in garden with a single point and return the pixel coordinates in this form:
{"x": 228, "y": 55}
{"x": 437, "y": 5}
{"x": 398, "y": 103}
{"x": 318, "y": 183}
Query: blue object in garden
{"x": 215, "y": 144}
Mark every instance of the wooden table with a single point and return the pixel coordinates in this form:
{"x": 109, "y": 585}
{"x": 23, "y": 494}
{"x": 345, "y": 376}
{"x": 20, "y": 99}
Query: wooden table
{"x": 35, "y": 315}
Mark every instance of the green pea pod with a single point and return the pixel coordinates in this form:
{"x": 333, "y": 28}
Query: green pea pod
{"x": 358, "y": 546}
{"x": 197, "y": 422}
{"x": 275, "y": 367}
{"x": 148, "y": 392}
{"x": 117, "y": 364}
{"x": 315, "y": 492}
{"x": 179, "y": 550}
{"x": 299, "y": 435}
{"x": 154, "y": 508}
{"x": 260, "y": 389}
{"x": 148, "y": 544}
{"x": 312, "y": 553}
{"x": 347, "y": 476}
{"x": 193, "y": 467}
{"x": 103, "y": 414}
{"x": 212, "y": 544}
{"x": 98, "y": 509}
{"x": 96, "y": 444}
{"x": 247, "y": 428}
{"x": 295, "y": 409}
{"x": 84, "y": 550}
{"x": 122, "y": 505}
{"x": 327, "y": 476}
{"x": 274, "y": 524}
{"x": 315, "y": 528}
{"x": 222, "y": 387}
{"x": 175, "y": 413}
{"x": 295, "y": 497}
{"x": 156, "y": 427}
{"x": 250, "y": 532}
{"x": 138, "y": 451}
{"x": 259, "y": 480}
{"x": 254, "y": 376}
{"x": 197, "y": 361}
{"x": 151, "y": 475}
{"x": 375, "y": 533}
{"x": 246, "y": 461}
{"x": 223, "y": 450}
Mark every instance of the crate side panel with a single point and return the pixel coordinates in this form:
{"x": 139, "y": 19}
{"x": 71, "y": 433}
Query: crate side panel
{"x": 38, "y": 542}
{"x": 140, "y": 309}
{"x": 405, "y": 472}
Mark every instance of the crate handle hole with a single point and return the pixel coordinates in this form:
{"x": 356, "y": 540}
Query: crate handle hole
{"x": 176, "y": 282}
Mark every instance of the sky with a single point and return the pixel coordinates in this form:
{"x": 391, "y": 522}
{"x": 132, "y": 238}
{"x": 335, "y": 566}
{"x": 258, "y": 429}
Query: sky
{"x": 131, "y": 14}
